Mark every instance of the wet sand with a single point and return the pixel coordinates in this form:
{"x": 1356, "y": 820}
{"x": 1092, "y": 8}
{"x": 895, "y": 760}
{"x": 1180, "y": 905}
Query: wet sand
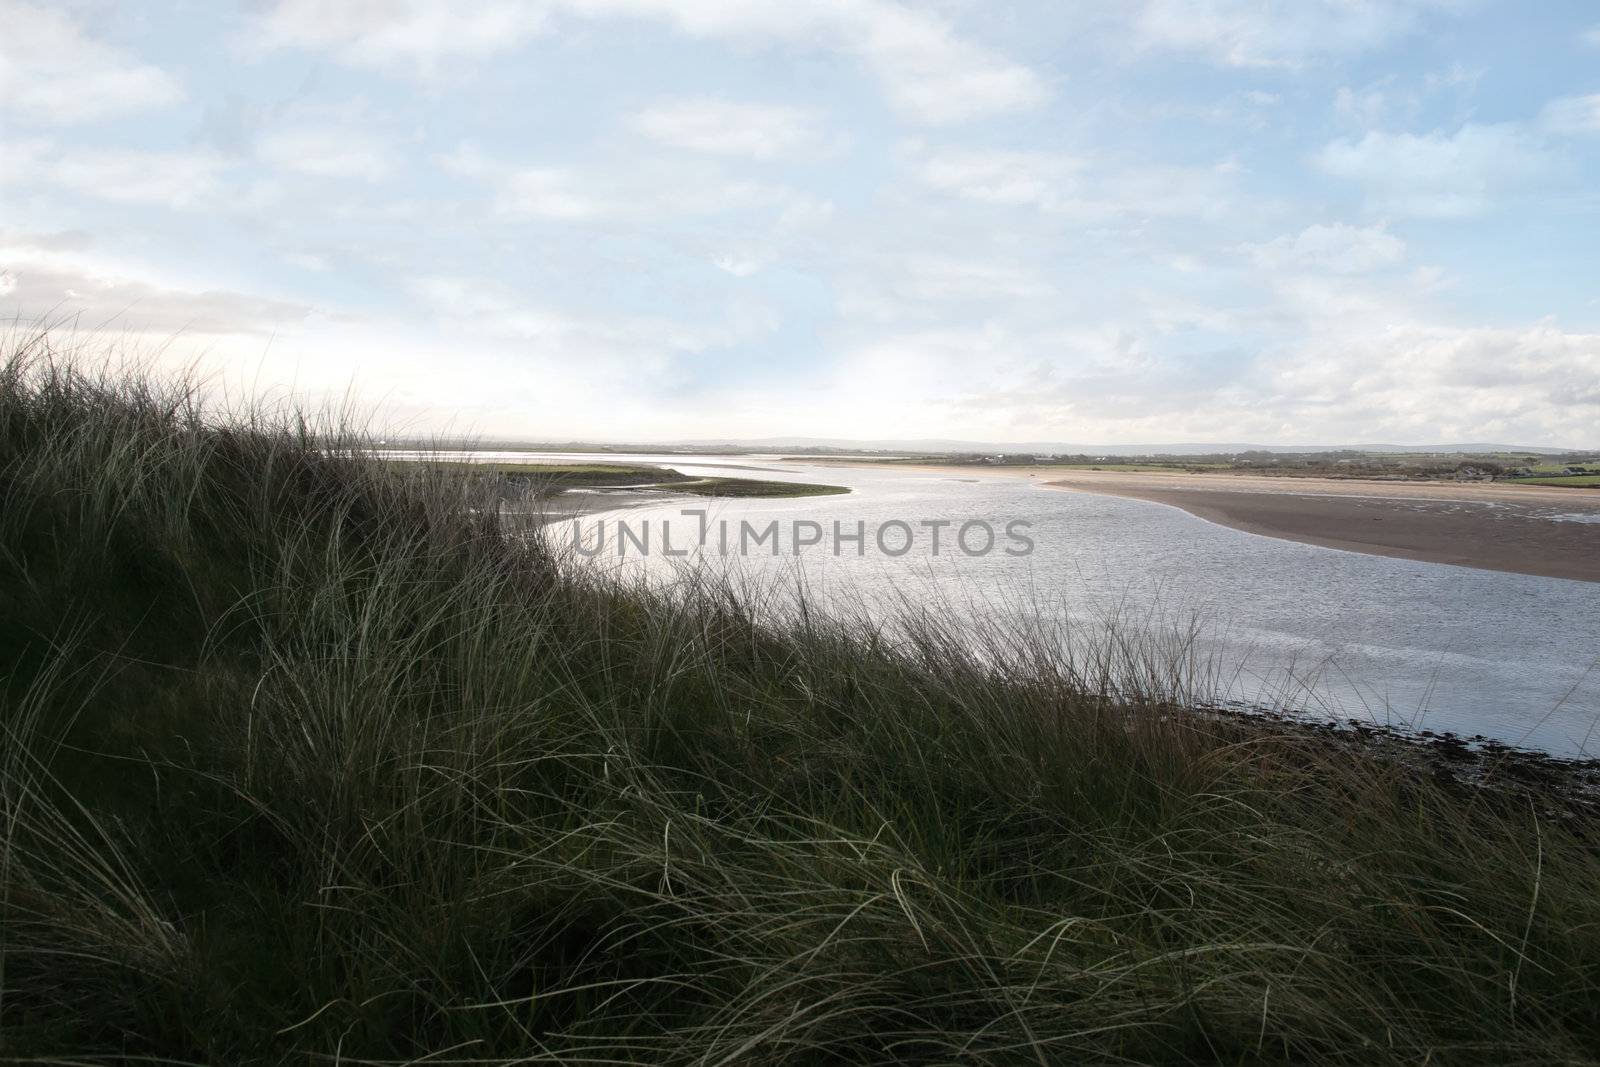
{"x": 1491, "y": 525}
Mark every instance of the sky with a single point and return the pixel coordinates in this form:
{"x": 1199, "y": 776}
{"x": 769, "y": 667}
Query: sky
{"x": 1119, "y": 222}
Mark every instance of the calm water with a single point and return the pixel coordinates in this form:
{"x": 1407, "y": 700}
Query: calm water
{"x": 1508, "y": 656}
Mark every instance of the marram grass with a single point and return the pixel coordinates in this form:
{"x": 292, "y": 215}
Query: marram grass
{"x": 307, "y": 758}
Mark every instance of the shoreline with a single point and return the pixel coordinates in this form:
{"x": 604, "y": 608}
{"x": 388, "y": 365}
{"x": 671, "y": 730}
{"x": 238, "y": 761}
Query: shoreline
{"x": 1484, "y": 525}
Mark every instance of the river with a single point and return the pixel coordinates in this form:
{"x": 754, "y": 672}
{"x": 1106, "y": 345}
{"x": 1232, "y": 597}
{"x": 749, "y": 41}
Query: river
{"x": 1346, "y": 635}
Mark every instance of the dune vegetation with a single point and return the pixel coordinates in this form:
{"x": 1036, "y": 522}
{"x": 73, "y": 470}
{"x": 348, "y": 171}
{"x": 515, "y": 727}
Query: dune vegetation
{"x": 310, "y": 757}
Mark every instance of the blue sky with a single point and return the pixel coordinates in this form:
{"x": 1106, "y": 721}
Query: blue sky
{"x": 1154, "y": 220}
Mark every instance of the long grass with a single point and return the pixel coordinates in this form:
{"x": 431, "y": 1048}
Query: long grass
{"x": 307, "y": 757}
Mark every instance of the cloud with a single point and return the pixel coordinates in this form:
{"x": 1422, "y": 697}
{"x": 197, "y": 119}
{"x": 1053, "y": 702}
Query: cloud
{"x": 174, "y": 179}
{"x": 1372, "y": 105}
{"x": 60, "y": 275}
{"x": 1248, "y": 33}
{"x": 942, "y": 278}
{"x": 1415, "y": 380}
{"x": 1440, "y": 175}
{"x": 755, "y": 131}
{"x": 609, "y": 351}
{"x": 22, "y": 161}
{"x": 1035, "y": 179}
{"x": 927, "y": 70}
{"x": 52, "y": 72}
{"x": 1076, "y": 188}
{"x": 1394, "y": 100}
{"x": 327, "y": 151}
{"x": 1423, "y": 381}
{"x": 898, "y": 287}
{"x": 422, "y": 34}
{"x": 308, "y": 261}
{"x": 556, "y": 193}
{"x": 650, "y": 191}
{"x": 1339, "y": 248}
{"x": 1572, "y": 115}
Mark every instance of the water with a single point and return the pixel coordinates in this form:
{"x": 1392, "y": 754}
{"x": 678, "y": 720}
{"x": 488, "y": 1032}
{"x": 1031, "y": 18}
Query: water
{"x": 1429, "y": 646}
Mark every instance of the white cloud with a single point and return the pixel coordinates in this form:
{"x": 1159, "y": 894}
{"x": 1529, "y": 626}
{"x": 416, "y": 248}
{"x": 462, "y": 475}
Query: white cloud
{"x": 52, "y": 72}
{"x": 1079, "y": 189}
{"x": 1591, "y": 37}
{"x": 22, "y": 161}
{"x": 644, "y": 190}
{"x": 61, "y": 276}
{"x": 421, "y": 33}
{"x": 1424, "y": 381}
{"x": 943, "y": 278}
{"x": 1572, "y": 115}
{"x": 899, "y": 288}
{"x": 532, "y": 192}
{"x": 1248, "y": 33}
{"x": 1412, "y": 380}
{"x": 327, "y": 152}
{"x": 1340, "y": 248}
{"x": 616, "y": 348}
{"x": 756, "y": 131}
{"x": 928, "y": 71}
{"x": 1394, "y": 100}
{"x": 1037, "y": 179}
{"x": 126, "y": 176}
{"x": 1439, "y": 175}
{"x": 309, "y": 261}
{"x": 1372, "y": 105}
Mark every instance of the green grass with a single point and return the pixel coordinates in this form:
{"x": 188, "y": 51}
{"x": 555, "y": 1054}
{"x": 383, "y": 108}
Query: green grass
{"x": 755, "y": 487}
{"x": 1580, "y": 480}
{"x": 312, "y": 758}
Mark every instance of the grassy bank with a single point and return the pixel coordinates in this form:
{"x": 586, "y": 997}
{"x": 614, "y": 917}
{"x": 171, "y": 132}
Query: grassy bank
{"x": 548, "y": 479}
{"x": 557, "y": 476}
{"x": 309, "y": 757}
{"x": 756, "y": 487}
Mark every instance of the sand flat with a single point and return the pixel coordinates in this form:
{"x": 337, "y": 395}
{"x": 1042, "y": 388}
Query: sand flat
{"x": 1526, "y": 529}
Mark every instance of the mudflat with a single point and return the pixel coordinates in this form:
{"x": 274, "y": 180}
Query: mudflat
{"x": 1554, "y": 532}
